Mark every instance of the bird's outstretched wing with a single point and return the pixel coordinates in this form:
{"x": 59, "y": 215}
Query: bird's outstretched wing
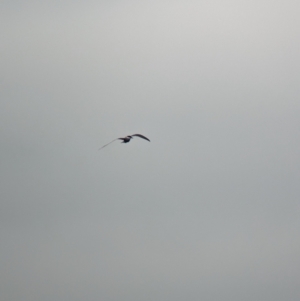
{"x": 108, "y": 143}
{"x": 141, "y": 136}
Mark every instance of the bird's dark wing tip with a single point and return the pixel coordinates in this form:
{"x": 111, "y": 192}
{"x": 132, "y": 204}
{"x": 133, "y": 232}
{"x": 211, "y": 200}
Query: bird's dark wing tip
{"x": 141, "y": 136}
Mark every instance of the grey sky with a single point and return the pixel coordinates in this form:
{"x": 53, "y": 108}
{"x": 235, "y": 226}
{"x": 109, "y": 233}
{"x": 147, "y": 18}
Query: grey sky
{"x": 209, "y": 210}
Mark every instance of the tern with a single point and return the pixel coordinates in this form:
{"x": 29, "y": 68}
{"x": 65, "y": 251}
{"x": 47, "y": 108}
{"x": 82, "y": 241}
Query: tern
{"x": 126, "y": 139}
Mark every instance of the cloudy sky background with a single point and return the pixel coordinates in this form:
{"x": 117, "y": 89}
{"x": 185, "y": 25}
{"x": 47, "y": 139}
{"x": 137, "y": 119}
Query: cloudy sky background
{"x": 209, "y": 210}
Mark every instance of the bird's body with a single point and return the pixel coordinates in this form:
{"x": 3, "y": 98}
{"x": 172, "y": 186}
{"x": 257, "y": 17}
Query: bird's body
{"x": 127, "y": 139}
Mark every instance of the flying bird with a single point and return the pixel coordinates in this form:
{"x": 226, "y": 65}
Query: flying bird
{"x": 126, "y": 139}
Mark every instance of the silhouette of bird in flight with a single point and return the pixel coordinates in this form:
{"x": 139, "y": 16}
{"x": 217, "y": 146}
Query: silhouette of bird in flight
{"x": 126, "y": 139}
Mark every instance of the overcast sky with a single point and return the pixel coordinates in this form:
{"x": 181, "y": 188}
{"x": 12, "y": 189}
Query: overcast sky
{"x": 209, "y": 209}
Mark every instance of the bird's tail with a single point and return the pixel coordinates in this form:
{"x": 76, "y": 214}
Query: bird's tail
{"x": 107, "y": 144}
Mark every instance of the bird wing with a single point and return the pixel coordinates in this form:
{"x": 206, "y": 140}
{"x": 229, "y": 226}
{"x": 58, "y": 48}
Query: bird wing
{"x": 141, "y": 136}
{"x": 108, "y": 143}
